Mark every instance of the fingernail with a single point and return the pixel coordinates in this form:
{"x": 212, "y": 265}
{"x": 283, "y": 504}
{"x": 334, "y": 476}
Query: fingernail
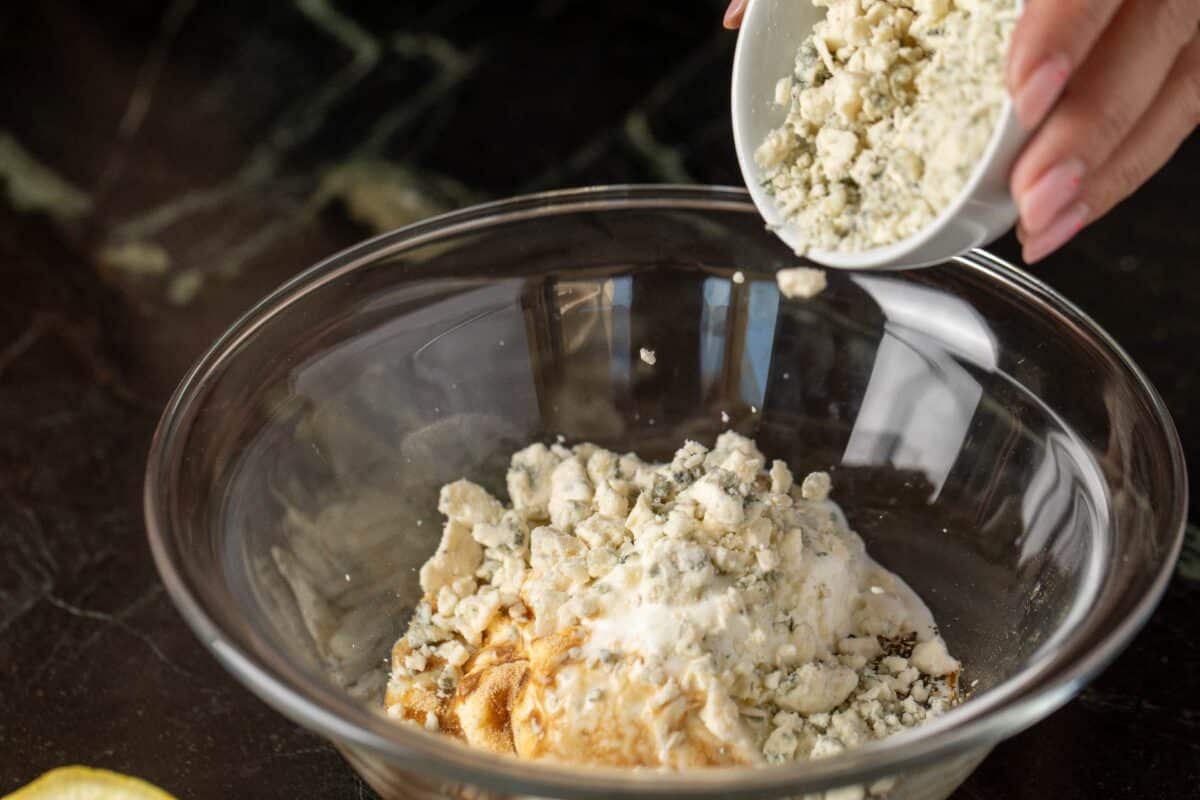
{"x": 1041, "y": 203}
{"x": 733, "y": 14}
{"x": 1059, "y": 233}
{"x": 1039, "y": 91}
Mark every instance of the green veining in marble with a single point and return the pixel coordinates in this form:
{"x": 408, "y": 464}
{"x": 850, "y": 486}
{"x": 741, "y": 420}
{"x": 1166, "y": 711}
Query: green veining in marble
{"x": 235, "y": 256}
{"x": 30, "y": 186}
{"x": 383, "y": 196}
{"x": 1189, "y": 557}
{"x": 148, "y": 74}
{"x": 183, "y": 288}
{"x": 377, "y": 193}
{"x": 299, "y": 122}
{"x": 452, "y": 66}
{"x": 664, "y": 161}
{"x": 136, "y": 257}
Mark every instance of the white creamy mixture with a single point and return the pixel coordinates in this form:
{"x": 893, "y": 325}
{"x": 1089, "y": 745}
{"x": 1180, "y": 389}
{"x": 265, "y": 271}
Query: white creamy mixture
{"x": 891, "y": 105}
{"x": 709, "y": 611}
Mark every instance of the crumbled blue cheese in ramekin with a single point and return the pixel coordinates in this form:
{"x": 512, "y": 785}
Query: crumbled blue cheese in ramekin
{"x": 891, "y": 105}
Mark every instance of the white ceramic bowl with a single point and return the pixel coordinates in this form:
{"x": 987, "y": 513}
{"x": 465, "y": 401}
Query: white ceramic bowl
{"x": 771, "y": 32}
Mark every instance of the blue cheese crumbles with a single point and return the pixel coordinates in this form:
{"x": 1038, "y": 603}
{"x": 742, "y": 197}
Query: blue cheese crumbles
{"x": 891, "y": 105}
{"x": 707, "y": 611}
{"x": 801, "y": 283}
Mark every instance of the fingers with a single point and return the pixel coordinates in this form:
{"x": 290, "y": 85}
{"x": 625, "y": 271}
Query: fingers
{"x": 1060, "y": 231}
{"x": 734, "y": 14}
{"x": 1171, "y": 117}
{"x": 1052, "y": 38}
{"x": 1106, "y": 97}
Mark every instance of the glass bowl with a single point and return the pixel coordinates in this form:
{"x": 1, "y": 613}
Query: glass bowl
{"x": 990, "y": 443}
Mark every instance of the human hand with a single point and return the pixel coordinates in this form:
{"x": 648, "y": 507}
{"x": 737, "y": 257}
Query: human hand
{"x": 1111, "y": 88}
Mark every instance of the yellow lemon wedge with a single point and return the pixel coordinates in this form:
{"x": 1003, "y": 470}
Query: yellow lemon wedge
{"x": 85, "y": 783}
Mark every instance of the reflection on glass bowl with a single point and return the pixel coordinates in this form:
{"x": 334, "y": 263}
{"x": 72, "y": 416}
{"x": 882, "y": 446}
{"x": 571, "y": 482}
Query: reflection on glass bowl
{"x": 988, "y": 441}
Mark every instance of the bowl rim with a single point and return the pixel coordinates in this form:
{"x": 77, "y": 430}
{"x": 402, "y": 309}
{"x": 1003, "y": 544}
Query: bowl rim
{"x": 1011, "y": 706}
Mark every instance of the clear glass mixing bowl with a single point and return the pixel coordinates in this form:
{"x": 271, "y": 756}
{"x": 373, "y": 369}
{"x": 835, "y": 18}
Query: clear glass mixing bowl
{"x": 991, "y": 444}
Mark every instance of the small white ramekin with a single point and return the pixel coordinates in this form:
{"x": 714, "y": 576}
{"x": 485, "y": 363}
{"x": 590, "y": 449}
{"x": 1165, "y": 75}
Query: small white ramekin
{"x": 766, "y": 50}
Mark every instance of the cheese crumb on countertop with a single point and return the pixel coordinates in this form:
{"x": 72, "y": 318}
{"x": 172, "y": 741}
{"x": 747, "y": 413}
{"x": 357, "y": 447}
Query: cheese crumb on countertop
{"x": 890, "y": 106}
{"x": 708, "y": 611}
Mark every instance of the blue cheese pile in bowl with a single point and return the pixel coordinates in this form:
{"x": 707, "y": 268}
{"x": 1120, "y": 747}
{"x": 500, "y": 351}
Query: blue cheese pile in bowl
{"x": 707, "y": 611}
{"x": 891, "y": 106}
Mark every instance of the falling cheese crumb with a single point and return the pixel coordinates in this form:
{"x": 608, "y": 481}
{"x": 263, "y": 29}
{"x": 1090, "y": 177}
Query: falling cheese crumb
{"x": 801, "y": 283}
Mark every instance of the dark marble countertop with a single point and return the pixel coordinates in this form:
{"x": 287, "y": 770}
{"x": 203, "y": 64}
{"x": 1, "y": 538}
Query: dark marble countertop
{"x": 163, "y": 164}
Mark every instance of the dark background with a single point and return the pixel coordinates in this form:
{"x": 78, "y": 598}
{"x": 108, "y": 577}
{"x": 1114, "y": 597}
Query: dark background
{"x": 162, "y": 165}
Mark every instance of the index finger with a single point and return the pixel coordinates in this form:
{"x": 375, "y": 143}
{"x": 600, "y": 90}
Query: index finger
{"x": 1055, "y": 30}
